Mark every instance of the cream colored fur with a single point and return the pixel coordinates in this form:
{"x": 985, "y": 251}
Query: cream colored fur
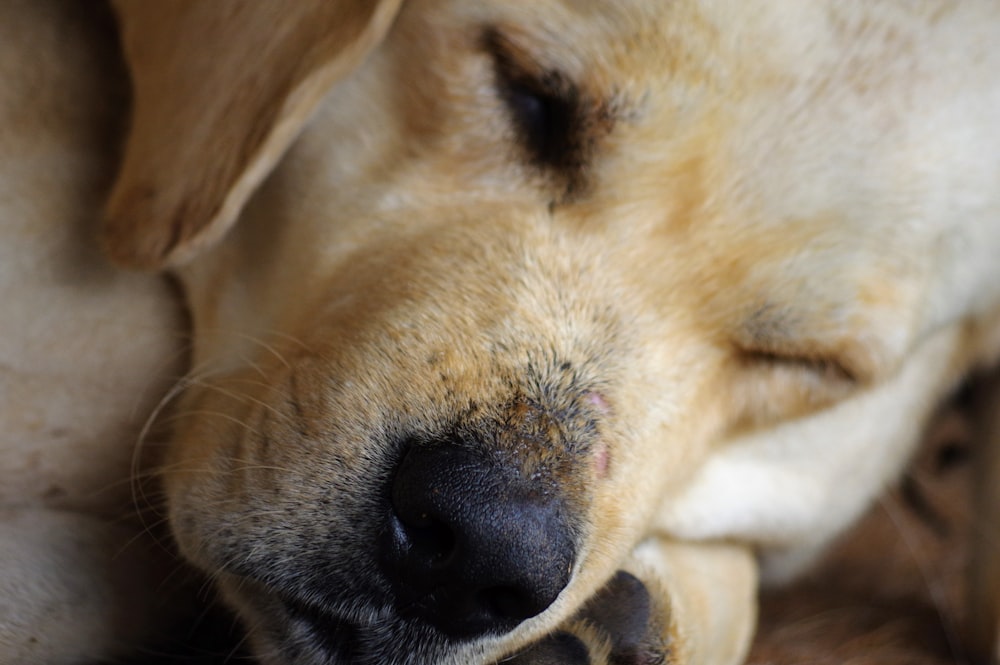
{"x": 86, "y": 351}
{"x": 775, "y": 252}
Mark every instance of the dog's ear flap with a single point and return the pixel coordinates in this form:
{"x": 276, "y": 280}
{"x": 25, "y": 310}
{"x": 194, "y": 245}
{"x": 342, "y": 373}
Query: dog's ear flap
{"x": 220, "y": 90}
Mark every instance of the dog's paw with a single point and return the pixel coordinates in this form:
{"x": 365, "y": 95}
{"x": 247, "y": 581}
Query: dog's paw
{"x": 618, "y": 626}
{"x": 672, "y": 602}
{"x": 560, "y": 648}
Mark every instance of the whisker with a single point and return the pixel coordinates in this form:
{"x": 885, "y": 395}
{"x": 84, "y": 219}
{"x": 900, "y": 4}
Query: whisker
{"x": 138, "y": 493}
{"x": 244, "y": 398}
{"x": 934, "y": 586}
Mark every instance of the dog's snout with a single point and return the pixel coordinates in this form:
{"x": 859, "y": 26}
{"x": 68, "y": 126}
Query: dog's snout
{"x": 473, "y": 548}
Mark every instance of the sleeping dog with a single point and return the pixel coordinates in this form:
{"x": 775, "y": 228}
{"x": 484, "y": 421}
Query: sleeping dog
{"x": 531, "y": 332}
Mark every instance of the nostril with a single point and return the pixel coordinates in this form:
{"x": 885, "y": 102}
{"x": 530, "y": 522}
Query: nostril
{"x": 428, "y": 540}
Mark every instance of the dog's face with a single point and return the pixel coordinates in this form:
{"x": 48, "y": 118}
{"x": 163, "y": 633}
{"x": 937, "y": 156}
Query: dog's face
{"x": 523, "y": 270}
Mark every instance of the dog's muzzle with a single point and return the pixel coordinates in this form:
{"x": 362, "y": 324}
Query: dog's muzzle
{"x": 472, "y": 547}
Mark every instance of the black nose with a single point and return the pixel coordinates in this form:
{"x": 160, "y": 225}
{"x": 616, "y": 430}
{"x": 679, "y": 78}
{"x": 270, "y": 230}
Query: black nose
{"x": 472, "y": 547}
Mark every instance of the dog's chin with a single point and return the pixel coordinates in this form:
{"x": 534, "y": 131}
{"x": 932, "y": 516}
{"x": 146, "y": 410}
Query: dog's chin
{"x": 286, "y": 629}
{"x": 336, "y": 638}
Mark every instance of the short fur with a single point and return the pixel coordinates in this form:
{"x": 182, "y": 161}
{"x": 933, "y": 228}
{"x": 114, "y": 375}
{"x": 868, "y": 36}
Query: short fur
{"x": 702, "y": 268}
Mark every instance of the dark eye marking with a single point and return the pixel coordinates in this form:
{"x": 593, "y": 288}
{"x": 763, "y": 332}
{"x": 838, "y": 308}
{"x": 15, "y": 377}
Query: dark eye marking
{"x": 546, "y": 115}
{"x": 547, "y": 110}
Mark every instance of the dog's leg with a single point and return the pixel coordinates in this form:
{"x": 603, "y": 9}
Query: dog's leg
{"x": 983, "y": 608}
{"x": 671, "y": 603}
{"x": 74, "y": 588}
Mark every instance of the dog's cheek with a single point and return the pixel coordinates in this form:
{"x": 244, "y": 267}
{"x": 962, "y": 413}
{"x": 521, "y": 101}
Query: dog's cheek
{"x": 196, "y": 472}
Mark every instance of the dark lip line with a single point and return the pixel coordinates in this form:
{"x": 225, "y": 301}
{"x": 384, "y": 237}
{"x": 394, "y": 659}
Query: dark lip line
{"x": 338, "y": 636}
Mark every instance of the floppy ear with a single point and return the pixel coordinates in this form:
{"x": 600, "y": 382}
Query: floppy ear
{"x": 220, "y": 90}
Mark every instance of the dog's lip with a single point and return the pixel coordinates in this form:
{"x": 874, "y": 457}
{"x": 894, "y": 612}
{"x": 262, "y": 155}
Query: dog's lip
{"x": 335, "y": 634}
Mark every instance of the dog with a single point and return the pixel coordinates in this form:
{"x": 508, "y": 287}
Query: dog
{"x": 522, "y": 332}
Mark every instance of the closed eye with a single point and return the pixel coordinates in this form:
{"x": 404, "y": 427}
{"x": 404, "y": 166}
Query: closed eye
{"x": 545, "y": 123}
{"x": 828, "y": 369}
{"x": 543, "y": 105}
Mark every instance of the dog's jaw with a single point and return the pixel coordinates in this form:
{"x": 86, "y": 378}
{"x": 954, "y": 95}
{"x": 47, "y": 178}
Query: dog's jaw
{"x": 295, "y": 473}
{"x": 286, "y": 629}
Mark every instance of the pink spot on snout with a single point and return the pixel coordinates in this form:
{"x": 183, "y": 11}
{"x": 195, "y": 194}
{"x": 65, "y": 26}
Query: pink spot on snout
{"x": 598, "y": 400}
{"x": 602, "y": 456}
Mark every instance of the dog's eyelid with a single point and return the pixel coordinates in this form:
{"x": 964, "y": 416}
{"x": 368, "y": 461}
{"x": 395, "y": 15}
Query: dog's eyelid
{"x": 543, "y": 103}
{"x": 830, "y": 368}
{"x": 511, "y": 61}
{"x": 772, "y": 336}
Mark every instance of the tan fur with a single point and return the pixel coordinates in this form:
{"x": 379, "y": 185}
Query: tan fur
{"x": 714, "y": 322}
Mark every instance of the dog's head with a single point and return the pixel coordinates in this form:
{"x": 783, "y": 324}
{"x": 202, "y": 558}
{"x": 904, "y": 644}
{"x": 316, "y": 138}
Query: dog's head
{"x": 515, "y": 276}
